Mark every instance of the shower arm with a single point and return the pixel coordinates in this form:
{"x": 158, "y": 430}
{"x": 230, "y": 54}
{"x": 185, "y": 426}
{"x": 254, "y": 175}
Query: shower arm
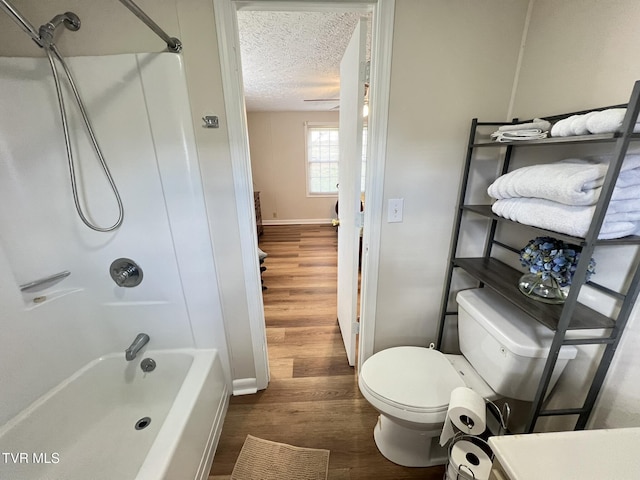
{"x": 173, "y": 44}
{"x": 21, "y": 21}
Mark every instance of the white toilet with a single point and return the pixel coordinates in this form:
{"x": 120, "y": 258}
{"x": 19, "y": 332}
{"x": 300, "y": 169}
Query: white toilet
{"x": 503, "y": 354}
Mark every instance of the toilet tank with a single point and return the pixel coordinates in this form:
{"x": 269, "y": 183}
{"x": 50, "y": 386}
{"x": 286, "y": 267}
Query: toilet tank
{"x": 507, "y": 347}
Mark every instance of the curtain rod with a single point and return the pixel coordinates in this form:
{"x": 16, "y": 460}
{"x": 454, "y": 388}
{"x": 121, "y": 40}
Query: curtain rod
{"x": 173, "y": 43}
{"x": 21, "y": 20}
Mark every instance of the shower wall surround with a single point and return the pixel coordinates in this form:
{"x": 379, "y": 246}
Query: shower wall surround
{"x": 139, "y": 108}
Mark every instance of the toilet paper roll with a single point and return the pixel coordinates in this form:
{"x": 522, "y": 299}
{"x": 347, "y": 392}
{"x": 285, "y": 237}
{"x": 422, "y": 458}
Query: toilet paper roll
{"x": 467, "y": 412}
{"x": 468, "y": 461}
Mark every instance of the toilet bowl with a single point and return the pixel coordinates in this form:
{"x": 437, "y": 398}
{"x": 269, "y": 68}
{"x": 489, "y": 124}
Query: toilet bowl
{"x": 411, "y": 387}
{"x": 503, "y": 354}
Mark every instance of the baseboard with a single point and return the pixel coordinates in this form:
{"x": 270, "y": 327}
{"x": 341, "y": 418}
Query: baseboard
{"x": 245, "y": 386}
{"x": 306, "y": 221}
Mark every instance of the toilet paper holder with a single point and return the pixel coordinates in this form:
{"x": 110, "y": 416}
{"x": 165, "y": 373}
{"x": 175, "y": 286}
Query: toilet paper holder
{"x": 476, "y": 460}
{"x": 472, "y": 459}
{"x": 501, "y": 415}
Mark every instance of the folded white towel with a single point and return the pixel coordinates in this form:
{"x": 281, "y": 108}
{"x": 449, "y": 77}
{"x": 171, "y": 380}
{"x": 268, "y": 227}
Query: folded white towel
{"x": 528, "y": 132}
{"x": 574, "y": 181}
{"x": 538, "y": 123}
{"x": 624, "y": 206}
{"x": 623, "y": 217}
{"x": 630, "y": 178}
{"x": 561, "y": 218}
{"x": 624, "y": 194}
{"x": 519, "y": 135}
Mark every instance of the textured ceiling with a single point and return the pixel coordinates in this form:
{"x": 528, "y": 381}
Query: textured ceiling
{"x": 289, "y": 57}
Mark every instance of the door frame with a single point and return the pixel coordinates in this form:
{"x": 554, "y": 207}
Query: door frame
{"x": 233, "y": 91}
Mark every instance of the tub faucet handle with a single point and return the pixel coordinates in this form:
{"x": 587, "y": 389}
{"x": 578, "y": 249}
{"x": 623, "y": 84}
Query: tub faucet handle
{"x": 125, "y": 272}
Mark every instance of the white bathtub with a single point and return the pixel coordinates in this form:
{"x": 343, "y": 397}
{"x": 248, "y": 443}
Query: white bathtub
{"x": 85, "y": 427}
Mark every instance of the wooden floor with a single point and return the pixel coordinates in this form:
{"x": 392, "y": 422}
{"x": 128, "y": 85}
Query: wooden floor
{"x": 313, "y": 398}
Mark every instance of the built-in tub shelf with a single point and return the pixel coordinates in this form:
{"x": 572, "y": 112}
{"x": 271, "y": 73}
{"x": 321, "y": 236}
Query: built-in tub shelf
{"x": 485, "y": 211}
{"x": 45, "y": 282}
{"x": 504, "y": 280}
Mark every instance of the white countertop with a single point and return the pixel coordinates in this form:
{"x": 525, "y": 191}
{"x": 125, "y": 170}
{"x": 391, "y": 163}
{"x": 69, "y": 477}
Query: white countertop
{"x": 583, "y": 455}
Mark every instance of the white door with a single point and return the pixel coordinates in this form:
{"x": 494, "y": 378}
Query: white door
{"x": 352, "y": 78}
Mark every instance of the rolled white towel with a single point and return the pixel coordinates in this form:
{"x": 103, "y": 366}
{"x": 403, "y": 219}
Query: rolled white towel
{"x": 579, "y": 124}
{"x": 608, "y": 121}
{"x": 558, "y": 128}
{"x": 572, "y": 220}
{"x": 573, "y": 181}
{"x": 562, "y": 128}
{"x": 605, "y": 121}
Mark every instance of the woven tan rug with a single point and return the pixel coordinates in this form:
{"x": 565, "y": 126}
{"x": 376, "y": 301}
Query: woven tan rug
{"x": 266, "y": 460}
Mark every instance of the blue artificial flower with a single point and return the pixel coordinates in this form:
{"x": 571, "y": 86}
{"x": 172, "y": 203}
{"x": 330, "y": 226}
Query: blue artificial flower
{"x": 549, "y": 257}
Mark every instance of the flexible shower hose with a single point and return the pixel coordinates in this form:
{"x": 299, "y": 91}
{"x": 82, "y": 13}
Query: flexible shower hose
{"x": 51, "y": 51}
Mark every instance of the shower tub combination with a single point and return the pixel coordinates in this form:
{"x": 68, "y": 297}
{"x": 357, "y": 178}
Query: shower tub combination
{"x": 115, "y": 417}
{"x": 110, "y": 420}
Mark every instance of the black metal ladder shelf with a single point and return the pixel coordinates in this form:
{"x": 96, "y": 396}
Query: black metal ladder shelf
{"x": 493, "y": 273}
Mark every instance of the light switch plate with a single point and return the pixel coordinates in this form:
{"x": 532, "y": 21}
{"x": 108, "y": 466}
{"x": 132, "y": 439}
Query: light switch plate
{"x": 394, "y": 214}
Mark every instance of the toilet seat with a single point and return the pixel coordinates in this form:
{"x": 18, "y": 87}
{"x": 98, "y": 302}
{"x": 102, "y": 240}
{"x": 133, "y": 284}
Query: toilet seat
{"x": 410, "y": 383}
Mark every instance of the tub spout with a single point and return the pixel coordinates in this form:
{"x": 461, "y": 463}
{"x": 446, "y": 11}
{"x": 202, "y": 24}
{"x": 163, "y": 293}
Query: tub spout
{"x": 141, "y": 340}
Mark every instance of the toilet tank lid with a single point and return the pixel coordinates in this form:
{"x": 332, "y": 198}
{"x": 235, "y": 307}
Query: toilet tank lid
{"x": 517, "y": 331}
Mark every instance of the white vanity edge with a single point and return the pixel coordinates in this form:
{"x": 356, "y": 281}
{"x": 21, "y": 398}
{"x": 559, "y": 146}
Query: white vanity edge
{"x": 584, "y": 455}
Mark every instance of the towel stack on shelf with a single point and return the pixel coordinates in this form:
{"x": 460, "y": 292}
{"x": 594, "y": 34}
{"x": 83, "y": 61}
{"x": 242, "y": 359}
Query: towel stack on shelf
{"x": 534, "y": 130}
{"x": 561, "y": 196}
{"x": 604, "y": 121}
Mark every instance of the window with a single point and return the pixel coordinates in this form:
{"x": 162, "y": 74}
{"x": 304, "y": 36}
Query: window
{"x": 323, "y": 154}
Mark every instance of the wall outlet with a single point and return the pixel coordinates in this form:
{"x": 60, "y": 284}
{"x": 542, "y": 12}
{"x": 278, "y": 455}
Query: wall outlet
{"x": 394, "y": 213}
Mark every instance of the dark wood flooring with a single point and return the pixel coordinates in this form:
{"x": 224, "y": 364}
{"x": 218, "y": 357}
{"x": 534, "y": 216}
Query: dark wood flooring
{"x": 313, "y": 398}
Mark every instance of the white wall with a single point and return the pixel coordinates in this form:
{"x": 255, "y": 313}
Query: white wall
{"x": 580, "y": 54}
{"x": 196, "y": 27}
{"x": 277, "y": 143}
{"x": 452, "y": 61}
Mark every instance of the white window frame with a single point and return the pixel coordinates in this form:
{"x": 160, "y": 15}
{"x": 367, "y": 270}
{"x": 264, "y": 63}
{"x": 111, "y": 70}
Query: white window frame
{"x": 308, "y": 126}
{"x": 363, "y": 166}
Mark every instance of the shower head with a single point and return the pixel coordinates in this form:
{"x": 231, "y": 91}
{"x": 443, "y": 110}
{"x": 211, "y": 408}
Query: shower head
{"x": 69, "y": 19}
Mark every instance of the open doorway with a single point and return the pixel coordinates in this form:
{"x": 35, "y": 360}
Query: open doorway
{"x": 226, "y": 24}
{"x": 304, "y": 78}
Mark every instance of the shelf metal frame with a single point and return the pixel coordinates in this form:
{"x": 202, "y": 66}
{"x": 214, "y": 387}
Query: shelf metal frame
{"x": 503, "y": 279}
